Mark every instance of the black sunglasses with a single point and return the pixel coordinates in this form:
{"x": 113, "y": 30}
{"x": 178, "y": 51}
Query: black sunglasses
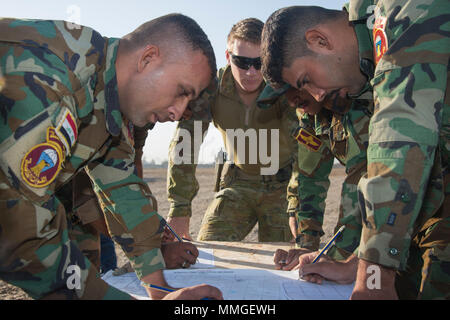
{"x": 245, "y": 62}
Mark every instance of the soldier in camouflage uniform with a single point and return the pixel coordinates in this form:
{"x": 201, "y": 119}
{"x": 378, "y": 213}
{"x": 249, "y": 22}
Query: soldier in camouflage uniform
{"x": 245, "y": 196}
{"x": 400, "y": 49}
{"x": 71, "y": 102}
{"x": 328, "y": 130}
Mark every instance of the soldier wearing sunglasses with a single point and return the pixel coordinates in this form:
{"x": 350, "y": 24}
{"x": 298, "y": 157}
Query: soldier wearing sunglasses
{"x": 244, "y": 196}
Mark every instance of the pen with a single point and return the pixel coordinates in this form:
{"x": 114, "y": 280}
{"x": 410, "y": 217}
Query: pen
{"x": 163, "y": 289}
{"x": 329, "y": 243}
{"x": 149, "y": 285}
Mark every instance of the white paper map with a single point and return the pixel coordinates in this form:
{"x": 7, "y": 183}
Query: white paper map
{"x": 258, "y": 284}
{"x": 241, "y": 284}
{"x": 130, "y": 283}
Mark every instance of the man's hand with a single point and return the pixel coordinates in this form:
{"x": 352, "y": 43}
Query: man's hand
{"x": 287, "y": 260}
{"x": 195, "y": 293}
{"x": 181, "y": 226}
{"x": 342, "y": 272}
{"x": 179, "y": 254}
{"x": 386, "y": 290}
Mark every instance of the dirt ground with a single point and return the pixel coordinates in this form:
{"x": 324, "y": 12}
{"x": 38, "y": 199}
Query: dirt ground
{"x": 157, "y": 182}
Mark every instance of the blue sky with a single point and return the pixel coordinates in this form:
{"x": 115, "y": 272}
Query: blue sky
{"x": 116, "y": 18}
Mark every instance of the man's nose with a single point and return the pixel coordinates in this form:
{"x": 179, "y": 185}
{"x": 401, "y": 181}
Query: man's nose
{"x": 317, "y": 93}
{"x": 251, "y": 71}
{"x": 176, "y": 111}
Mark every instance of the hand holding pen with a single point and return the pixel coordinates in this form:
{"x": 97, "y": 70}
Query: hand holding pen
{"x": 178, "y": 254}
{"x": 316, "y": 267}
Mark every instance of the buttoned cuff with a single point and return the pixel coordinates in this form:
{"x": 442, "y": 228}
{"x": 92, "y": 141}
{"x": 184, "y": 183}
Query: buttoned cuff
{"x": 148, "y": 262}
{"x": 383, "y": 248}
{"x": 179, "y": 211}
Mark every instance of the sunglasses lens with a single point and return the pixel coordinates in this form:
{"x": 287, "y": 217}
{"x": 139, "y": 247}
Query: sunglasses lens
{"x": 241, "y": 62}
{"x": 245, "y": 63}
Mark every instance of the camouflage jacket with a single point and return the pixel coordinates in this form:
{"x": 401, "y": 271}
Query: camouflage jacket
{"x": 226, "y": 111}
{"x": 61, "y": 96}
{"x": 342, "y": 136}
{"x": 408, "y": 44}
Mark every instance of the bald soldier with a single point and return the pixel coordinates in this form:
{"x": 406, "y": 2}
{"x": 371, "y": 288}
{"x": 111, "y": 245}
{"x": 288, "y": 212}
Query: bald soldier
{"x": 71, "y": 102}
{"x": 400, "y": 50}
{"x": 250, "y": 190}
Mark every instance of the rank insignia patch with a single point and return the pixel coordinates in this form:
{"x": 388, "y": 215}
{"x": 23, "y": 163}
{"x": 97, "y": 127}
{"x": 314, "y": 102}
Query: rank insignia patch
{"x": 310, "y": 141}
{"x": 41, "y": 165}
{"x": 67, "y": 130}
{"x": 380, "y": 42}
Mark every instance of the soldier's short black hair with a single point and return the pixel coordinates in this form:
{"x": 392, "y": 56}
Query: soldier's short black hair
{"x": 173, "y": 27}
{"x": 283, "y": 38}
{"x": 249, "y": 30}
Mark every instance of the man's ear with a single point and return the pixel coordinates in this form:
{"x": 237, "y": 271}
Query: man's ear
{"x": 318, "y": 41}
{"x": 149, "y": 55}
{"x": 227, "y": 56}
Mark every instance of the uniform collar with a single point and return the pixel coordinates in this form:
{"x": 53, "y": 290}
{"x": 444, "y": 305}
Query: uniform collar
{"x": 227, "y": 83}
{"x": 358, "y": 15}
{"x": 112, "y": 107}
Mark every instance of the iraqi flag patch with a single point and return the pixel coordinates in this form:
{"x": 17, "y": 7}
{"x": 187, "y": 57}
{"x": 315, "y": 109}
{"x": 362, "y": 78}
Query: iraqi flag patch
{"x": 67, "y": 130}
{"x": 309, "y": 140}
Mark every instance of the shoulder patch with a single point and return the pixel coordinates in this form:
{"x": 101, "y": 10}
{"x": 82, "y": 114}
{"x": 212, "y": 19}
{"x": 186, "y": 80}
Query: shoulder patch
{"x": 309, "y": 140}
{"x": 41, "y": 165}
{"x": 380, "y": 41}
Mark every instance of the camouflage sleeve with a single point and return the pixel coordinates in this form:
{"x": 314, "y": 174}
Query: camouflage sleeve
{"x": 409, "y": 88}
{"x": 35, "y": 250}
{"x": 182, "y": 186}
{"x": 313, "y": 183}
{"x": 129, "y": 207}
{"x": 349, "y": 215}
{"x": 292, "y": 189}
{"x": 357, "y": 127}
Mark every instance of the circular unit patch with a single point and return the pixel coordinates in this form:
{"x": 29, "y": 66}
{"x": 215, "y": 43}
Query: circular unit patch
{"x": 41, "y": 165}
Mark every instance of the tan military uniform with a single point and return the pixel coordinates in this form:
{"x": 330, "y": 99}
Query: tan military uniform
{"x": 246, "y": 196}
